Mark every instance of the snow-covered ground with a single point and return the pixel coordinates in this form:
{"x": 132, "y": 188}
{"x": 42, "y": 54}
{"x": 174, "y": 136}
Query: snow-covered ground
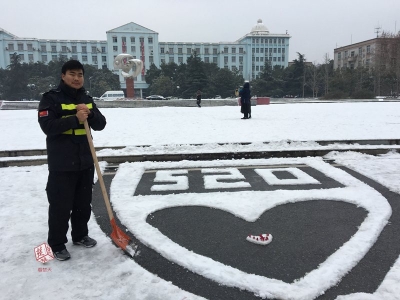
{"x": 103, "y": 273}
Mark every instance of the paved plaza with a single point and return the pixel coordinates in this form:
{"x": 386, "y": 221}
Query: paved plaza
{"x": 317, "y": 214}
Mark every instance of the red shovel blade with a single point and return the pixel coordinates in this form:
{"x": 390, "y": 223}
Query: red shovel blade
{"x": 119, "y": 237}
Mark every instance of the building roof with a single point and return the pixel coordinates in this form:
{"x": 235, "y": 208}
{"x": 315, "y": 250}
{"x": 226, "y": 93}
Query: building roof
{"x": 259, "y": 28}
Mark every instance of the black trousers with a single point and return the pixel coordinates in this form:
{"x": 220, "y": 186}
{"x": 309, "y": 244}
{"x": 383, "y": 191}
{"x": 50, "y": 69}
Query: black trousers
{"x": 70, "y": 196}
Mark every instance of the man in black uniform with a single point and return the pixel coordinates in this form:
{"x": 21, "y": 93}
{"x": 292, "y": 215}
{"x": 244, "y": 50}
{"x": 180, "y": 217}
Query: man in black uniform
{"x": 62, "y": 112}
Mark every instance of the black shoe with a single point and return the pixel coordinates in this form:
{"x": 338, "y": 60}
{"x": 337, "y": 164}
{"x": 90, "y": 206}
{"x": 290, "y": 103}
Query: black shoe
{"x": 250, "y": 117}
{"x": 62, "y": 255}
{"x": 86, "y": 241}
{"x": 244, "y": 118}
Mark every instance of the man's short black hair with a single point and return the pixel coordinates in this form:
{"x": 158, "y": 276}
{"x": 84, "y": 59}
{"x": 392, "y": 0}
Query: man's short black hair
{"x": 72, "y": 65}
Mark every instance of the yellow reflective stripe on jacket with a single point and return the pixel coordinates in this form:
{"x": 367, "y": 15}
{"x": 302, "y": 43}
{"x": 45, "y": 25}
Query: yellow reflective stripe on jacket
{"x": 75, "y": 131}
{"x": 78, "y": 131}
{"x": 73, "y": 106}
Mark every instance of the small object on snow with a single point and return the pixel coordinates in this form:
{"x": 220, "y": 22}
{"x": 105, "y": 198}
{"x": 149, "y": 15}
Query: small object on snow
{"x": 262, "y": 239}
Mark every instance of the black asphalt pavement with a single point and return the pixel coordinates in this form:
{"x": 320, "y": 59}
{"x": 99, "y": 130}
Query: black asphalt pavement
{"x": 307, "y": 233}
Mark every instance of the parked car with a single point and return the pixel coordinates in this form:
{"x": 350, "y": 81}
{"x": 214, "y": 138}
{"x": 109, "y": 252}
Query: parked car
{"x": 155, "y": 97}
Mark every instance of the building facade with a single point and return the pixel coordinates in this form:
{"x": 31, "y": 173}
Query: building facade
{"x": 247, "y": 55}
{"x": 355, "y": 55}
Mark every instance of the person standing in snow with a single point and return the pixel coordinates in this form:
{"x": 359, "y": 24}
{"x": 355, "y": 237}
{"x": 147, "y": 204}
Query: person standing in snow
{"x": 198, "y": 98}
{"x": 61, "y": 114}
{"x": 245, "y": 96}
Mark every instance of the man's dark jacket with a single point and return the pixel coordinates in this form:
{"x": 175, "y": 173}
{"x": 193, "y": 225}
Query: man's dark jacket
{"x": 67, "y": 145}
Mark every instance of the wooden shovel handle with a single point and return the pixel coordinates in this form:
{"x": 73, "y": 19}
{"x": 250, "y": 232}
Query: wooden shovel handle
{"x": 98, "y": 171}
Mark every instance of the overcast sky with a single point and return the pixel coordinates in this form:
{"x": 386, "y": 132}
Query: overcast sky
{"x": 316, "y": 26}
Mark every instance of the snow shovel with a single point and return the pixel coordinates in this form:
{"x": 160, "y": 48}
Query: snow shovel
{"x": 119, "y": 237}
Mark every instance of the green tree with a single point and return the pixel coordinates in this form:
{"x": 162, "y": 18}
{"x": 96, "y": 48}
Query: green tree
{"x": 196, "y": 78}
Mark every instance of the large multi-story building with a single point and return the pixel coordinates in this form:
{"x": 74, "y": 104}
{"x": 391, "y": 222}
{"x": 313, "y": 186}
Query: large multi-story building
{"x": 355, "y": 55}
{"x": 247, "y": 55}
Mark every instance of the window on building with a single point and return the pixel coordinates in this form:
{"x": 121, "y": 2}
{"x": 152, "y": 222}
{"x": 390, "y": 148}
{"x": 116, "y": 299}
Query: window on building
{"x": 241, "y": 68}
{"x": 206, "y": 51}
{"x": 261, "y": 59}
{"x": 151, "y": 59}
{"x": 43, "y": 48}
{"x": 20, "y": 47}
{"x": 94, "y": 49}
{"x": 115, "y": 48}
{"x": 150, "y": 40}
{"x": 180, "y": 51}
{"x": 198, "y": 51}
{"x": 54, "y": 57}
{"x": 141, "y": 40}
{"x": 53, "y": 48}
{"x": 215, "y": 51}
{"x": 114, "y": 39}
{"x": 352, "y": 53}
{"x": 84, "y": 57}
{"x": 257, "y": 59}
{"x": 162, "y": 61}
{"x": 180, "y": 60}
{"x": 279, "y": 50}
{"x": 346, "y": 54}
{"x": 63, "y": 48}
{"x": 206, "y": 59}
{"x": 74, "y": 49}
{"x": 233, "y": 50}
{"x": 215, "y": 60}
{"x": 257, "y": 68}
{"x": 283, "y": 58}
{"x": 44, "y": 58}
{"x": 339, "y": 55}
{"x": 257, "y": 50}
{"x": 233, "y": 59}
{"x": 225, "y": 59}
{"x": 132, "y": 39}
{"x": 225, "y": 49}
{"x": 240, "y": 50}
{"x": 261, "y": 50}
{"x": 30, "y": 57}
{"x": 84, "y": 49}
{"x": 274, "y": 41}
{"x": 240, "y": 59}
{"x": 274, "y": 50}
{"x": 274, "y": 58}
{"x": 10, "y": 47}
{"x": 368, "y": 49}
{"x": 133, "y": 49}
{"x": 171, "y": 50}
{"x": 104, "y": 58}
{"x": 162, "y": 50}
{"x": 94, "y": 59}
{"x": 103, "y": 49}
{"x": 189, "y": 51}
{"x": 30, "y": 48}
{"x": 74, "y": 56}
{"x": 279, "y": 59}
{"x": 171, "y": 59}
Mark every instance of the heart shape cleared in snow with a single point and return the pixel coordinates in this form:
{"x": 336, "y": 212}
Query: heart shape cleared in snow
{"x": 305, "y": 234}
{"x": 249, "y": 206}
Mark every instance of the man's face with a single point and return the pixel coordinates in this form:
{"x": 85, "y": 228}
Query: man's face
{"x": 73, "y": 78}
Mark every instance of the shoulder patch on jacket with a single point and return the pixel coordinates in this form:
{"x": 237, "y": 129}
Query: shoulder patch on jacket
{"x": 43, "y": 113}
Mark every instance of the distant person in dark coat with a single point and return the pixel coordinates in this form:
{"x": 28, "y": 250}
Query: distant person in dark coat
{"x": 198, "y": 98}
{"x": 245, "y": 96}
